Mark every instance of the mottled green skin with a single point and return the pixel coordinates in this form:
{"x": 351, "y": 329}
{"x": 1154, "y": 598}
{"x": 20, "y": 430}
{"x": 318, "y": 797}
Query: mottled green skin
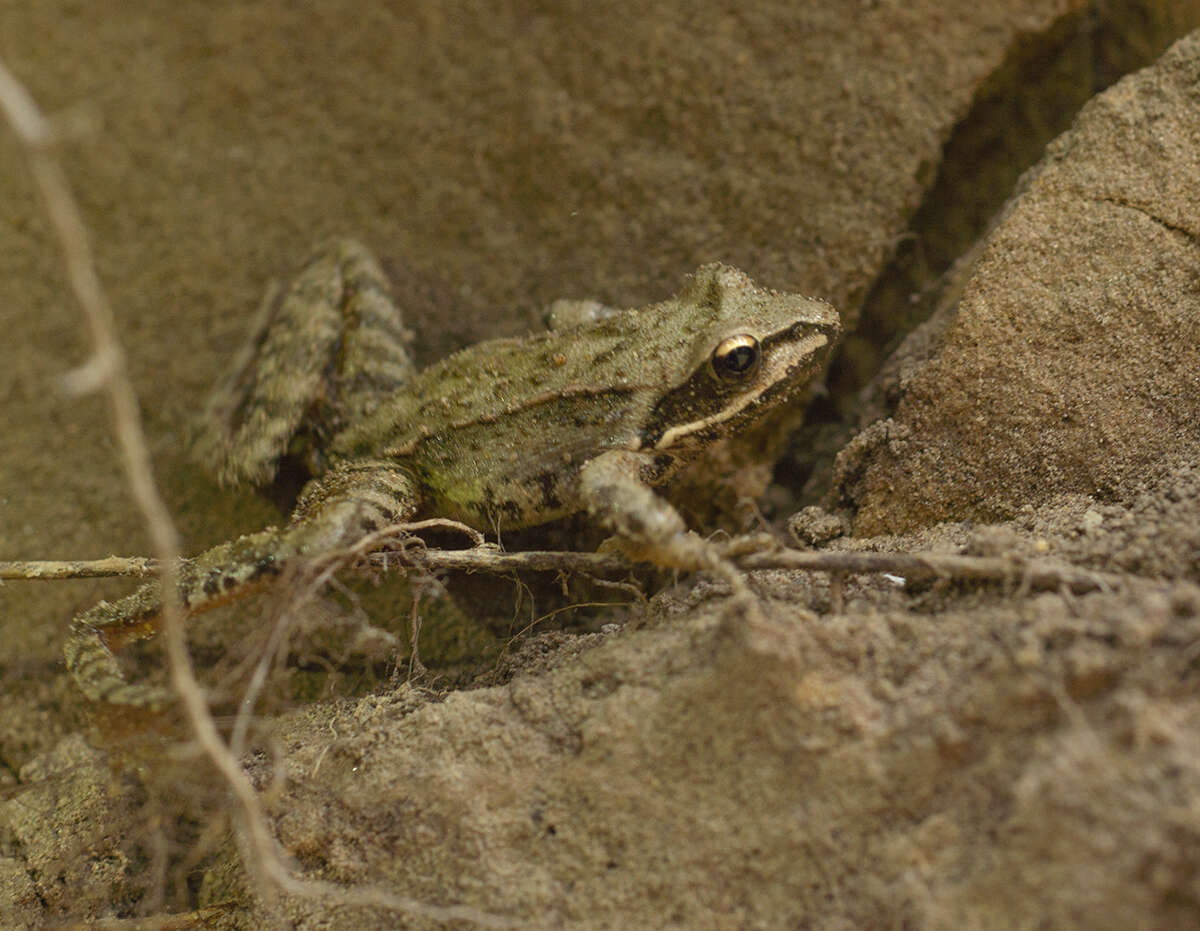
{"x": 495, "y": 434}
{"x": 502, "y": 435}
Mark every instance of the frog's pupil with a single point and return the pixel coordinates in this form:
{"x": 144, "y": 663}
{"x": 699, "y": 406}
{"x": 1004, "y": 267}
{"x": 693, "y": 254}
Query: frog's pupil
{"x": 740, "y": 359}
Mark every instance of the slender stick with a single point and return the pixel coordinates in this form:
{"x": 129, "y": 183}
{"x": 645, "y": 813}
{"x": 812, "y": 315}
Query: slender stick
{"x": 48, "y": 569}
{"x": 1035, "y": 574}
{"x": 106, "y": 370}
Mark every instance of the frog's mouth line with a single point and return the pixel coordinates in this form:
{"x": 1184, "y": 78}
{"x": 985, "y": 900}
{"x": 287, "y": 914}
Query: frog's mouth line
{"x": 806, "y": 350}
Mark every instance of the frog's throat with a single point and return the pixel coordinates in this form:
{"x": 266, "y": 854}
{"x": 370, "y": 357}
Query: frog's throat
{"x": 806, "y": 350}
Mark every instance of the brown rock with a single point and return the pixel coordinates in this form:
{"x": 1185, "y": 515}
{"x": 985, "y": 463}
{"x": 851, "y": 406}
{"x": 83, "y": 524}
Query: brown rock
{"x": 1073, "y": 362}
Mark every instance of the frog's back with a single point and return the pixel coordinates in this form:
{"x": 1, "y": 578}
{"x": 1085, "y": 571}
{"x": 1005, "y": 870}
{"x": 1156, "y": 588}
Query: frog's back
{"x": 496, "y": 433}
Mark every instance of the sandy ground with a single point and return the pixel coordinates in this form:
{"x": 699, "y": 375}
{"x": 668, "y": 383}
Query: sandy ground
{"x": 936, "y": 756}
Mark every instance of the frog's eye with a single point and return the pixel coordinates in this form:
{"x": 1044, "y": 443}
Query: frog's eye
{"x": 736, "y": 358}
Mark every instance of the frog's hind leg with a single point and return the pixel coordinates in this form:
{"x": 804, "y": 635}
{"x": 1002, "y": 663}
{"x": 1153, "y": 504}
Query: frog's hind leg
{"x": 317, "y": 358}
{"x": 335, "y": 512}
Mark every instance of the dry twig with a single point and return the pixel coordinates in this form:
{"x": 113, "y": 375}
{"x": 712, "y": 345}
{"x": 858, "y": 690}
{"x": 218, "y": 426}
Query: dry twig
{"x": 106, "y": 371}
{"x": 47, "y": 569}
{"x": 1035, "y": 574}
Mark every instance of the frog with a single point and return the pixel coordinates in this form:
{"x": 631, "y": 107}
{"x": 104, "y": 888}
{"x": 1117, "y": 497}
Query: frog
{"x": 593, "y": 416}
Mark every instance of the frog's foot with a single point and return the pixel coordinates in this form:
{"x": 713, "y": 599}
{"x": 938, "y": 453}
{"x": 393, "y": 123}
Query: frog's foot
{"x": 317, "y": 358}
{"x": 333, "y": 513}
{"x": 690, "y": 553}
{"x": 94, "y": 636}
{"x": 649, "y": 529}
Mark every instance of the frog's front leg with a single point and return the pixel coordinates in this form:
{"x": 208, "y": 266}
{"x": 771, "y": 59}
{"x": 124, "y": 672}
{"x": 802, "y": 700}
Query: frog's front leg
{"x": 616, "y": 490}
{"x": 316, "y": 359}
{"x": 334, "y": 512}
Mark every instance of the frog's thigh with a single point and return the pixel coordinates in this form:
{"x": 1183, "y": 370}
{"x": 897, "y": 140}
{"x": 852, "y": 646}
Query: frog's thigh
{"x": 334, "y": 337}
{"x": 614, "y": 493}
{"x": 375, "y": 362}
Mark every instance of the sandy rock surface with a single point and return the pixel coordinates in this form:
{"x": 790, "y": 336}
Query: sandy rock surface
{"x": 1072, "y": 363}
{"x": 940, "y": 756}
